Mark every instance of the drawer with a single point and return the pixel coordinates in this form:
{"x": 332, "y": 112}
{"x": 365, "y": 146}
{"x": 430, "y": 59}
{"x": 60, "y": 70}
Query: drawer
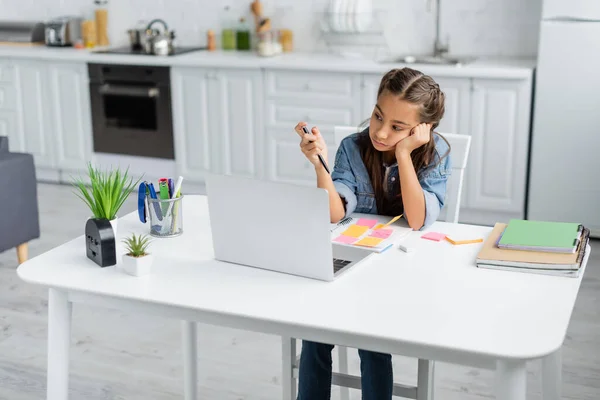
{"x": 8, "y": 96}
{"x": 315, "y": 84}
{"x": 279, "y": 113}
{"x": 7, "y": 73}
{"x": 285, "y": 161}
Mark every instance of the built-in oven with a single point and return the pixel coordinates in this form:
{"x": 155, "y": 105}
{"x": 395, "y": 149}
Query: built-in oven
{"x": 131, "y": 110}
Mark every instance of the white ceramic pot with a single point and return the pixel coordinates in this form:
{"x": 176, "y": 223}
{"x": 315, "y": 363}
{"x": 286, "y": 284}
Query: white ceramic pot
{"x": 115, "y": 224}
{"x": 137, "y": 266}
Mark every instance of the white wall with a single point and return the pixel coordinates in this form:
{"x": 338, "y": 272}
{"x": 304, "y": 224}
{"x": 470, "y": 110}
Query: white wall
{"x": 476, "y": 27}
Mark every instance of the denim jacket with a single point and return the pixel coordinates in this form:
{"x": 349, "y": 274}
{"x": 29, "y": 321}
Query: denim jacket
{"x": 352, "y": 182}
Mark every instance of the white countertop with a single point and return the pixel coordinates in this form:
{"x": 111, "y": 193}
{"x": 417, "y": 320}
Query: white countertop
{"x": 481, "y": 68}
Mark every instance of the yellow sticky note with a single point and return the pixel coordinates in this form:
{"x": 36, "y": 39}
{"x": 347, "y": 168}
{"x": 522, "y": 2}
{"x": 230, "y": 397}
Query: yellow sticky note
{"x": 378, "y": 226}
{"x": 355, "y": 231}
{"x": 369, "y": 241}
{"x": 394, "y": 220}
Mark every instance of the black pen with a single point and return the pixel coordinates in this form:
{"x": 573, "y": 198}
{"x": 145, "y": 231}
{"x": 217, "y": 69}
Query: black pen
{"x": 306, "y": 132}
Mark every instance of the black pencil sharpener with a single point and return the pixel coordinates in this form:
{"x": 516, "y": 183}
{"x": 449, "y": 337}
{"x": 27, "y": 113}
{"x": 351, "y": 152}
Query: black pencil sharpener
{"x": 100, "y": 243}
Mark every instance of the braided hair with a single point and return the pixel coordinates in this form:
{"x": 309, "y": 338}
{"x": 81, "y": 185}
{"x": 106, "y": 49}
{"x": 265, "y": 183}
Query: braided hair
{"x": 416, "y": 88}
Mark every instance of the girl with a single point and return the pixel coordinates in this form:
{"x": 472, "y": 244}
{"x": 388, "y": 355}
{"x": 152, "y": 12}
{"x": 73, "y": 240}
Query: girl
{"x": 397, "y": 165}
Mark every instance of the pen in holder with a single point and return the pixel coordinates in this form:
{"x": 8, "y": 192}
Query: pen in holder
{"x": 166, "y": 218}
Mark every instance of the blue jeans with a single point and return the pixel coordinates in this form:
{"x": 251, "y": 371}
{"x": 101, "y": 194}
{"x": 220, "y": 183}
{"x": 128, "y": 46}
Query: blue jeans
{"x": 314, "y": 381}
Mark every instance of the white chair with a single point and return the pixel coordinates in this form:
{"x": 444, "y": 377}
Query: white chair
{"x": 460, "y": 146}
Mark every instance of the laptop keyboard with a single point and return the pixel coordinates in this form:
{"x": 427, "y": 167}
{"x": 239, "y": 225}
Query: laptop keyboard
{"x": 339, "y": 264}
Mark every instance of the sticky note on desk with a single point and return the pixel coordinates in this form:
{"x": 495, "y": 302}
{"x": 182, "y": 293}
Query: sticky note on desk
{"x": 369, "y": 242}
{"x": 355, "y": 231}
{"x": 345, "y": 239}
{"x": 435, "y": 236}
{"x": 382, "y": 233}
{"x": 367, "y": 222}
{"x": 463, "y": 241}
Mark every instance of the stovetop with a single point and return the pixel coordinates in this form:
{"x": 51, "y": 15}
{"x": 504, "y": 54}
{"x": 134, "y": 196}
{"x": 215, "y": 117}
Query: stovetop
{"x": 177, "y": 50}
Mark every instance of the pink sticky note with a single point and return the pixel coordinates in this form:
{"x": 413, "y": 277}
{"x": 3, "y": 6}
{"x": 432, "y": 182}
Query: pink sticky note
{"x": 435, "y": 236}
{"x": 367, "y": 222}
{"x": 345, "y": 239}
{"x": 382, "y": 233}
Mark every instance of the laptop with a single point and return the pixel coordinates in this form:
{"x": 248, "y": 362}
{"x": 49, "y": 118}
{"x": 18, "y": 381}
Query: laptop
{"x": 276, "y": 226}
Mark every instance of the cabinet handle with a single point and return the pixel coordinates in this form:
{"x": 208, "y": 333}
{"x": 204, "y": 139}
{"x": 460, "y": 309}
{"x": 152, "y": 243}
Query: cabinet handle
{"x": 307, "y": 87}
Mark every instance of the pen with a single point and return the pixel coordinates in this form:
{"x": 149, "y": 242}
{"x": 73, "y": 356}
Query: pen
{"x": 306, "y": 132}
{"x": 156, "y": 205}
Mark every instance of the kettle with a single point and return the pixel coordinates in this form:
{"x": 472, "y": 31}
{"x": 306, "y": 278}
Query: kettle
{"x": 156, "y": 42}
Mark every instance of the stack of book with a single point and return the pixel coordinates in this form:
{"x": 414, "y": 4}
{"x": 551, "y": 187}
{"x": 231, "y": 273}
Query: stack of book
{"x": 551, "y": 248}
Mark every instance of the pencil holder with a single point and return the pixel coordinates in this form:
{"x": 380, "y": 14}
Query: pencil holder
{"x": 165, "y": 217}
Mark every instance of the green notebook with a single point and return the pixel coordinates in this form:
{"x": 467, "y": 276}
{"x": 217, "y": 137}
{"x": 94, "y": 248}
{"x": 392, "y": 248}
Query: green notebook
{"x": 561, "y": 237}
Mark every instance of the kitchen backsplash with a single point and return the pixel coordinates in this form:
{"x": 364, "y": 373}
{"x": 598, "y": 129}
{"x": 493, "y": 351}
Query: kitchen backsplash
{"x": 475, "y": 27}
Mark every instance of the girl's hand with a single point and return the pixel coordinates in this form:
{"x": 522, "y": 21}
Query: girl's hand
{"x": 312, "y": 144}
{"x": 419, "y": 135}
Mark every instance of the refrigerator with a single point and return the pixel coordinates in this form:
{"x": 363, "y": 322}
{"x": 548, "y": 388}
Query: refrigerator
{"x": 564, "y": 170}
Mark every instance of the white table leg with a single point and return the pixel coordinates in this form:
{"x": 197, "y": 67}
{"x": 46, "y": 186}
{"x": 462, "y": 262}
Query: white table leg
{"x": 511, "y": 380}
{"x": 552, "y": 376}
{"x": 288, "y": 361}
{"x": 59, "y": 337}
{"x": 190, "y": 359}
{"x": 425, "y": 380}
{"x": 343, "y": 361}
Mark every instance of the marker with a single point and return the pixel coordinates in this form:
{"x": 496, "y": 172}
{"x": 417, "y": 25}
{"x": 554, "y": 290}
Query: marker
{"x": 306, "y": 132}
{"x": 176, "y": 193}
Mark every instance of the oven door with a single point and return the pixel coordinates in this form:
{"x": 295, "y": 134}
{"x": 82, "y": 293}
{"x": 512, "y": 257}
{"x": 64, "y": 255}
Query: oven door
{"x": 132, "y": 118}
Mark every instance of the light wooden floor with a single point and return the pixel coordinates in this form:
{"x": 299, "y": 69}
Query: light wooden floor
{"x": 119, "y": 356}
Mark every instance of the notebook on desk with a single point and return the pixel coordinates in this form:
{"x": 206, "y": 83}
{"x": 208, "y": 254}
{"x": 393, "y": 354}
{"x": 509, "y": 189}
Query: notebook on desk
{"x": 276, "y": 226}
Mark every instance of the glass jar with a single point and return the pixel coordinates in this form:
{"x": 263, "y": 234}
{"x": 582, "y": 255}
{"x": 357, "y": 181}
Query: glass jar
{"x": 243, "y": 35}
{"x": 101, "y": 15}
{"x": 228, "y": 32}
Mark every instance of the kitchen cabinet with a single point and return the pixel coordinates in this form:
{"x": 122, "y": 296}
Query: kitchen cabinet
{"x": 32, "y": 104}
{"x": 217, "y": 121}
{"x": 238, "y": 128}
{"x": 71, "y": 115}
{"x": 497, "y": 168}
{"x": 49, "y": 114}
{"x": 195, "y": 150}
{"x": 322, "y": 99}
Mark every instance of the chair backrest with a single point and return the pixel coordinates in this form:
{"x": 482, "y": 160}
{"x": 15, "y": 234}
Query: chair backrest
{"x": 460, "y": 146}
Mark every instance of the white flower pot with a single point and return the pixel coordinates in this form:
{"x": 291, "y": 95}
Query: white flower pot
{"x": 115, "y": 223}
{"x": 137, "y": 266}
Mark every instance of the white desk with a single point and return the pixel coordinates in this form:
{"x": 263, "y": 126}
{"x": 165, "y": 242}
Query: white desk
{"x": 433, "y": 304}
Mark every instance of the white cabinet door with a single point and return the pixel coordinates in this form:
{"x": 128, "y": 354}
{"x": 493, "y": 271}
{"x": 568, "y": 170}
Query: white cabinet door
{"x": 239, "y": 132}
{"x": 370, "y": 86}
{"x": 71, "y": 115}
{"x": 34, "y": 111}
{"x": 195, "y": 150}
{"x": 458, "y": 111}
{"x": 8, "y": 127}
{"x": 497, "y": 167}
{"x": 285, "y": 161}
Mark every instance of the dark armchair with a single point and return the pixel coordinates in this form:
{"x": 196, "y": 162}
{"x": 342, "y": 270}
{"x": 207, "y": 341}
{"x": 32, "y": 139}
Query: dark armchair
{"x": 19, "y": 219}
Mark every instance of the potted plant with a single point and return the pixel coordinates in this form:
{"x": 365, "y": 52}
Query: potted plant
{"x": 106, "y": 192}
{"x": 137, "y": 261}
